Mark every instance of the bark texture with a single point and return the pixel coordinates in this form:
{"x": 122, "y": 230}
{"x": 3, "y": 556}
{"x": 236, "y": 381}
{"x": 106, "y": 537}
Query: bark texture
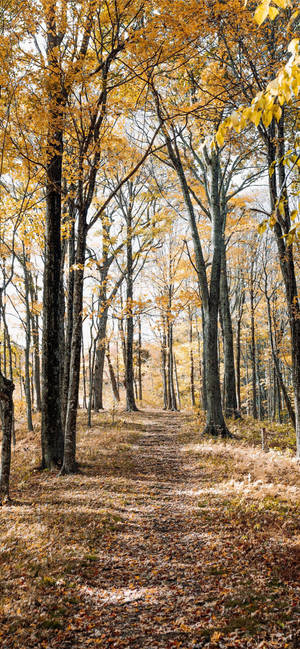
{"x": 129, "y": 375}
{"x": 192, "y": 369}
{"x": 209, "y": 291}
{"x": 230, "y": 400}
{"x": 163, "y": 365}
{"x": 52, "y": 432}
{"x": 112, "y": 376}
{"x": 6, "y": 409}
{"x": 69, "y": 463}
{"x": 277, "y": 183}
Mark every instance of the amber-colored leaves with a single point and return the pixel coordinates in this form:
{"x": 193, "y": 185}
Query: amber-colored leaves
{"x": 164, "y": 540}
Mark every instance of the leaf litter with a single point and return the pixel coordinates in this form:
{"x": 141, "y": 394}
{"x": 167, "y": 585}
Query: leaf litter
{"x": 161, "y": 541}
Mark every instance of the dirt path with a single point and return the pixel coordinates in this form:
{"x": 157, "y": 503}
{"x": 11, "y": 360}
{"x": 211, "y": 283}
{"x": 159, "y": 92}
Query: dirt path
{"x": 145, "y": 590}
{"x": 145, "y": 551}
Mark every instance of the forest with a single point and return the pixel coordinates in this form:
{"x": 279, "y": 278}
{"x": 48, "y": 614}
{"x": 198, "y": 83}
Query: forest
{"x": 149, "y": 324}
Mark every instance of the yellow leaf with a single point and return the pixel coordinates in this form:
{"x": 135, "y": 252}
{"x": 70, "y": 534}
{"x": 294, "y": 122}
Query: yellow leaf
{"x": 281, "y": 3}
{"x": 241, "y": 125}
{"x": 255, "y": 117}
{"x": 273, "y": 87}
{"x": 273, "y": 13}
{"x": 291, "y": 236}
{"x": 272, "y": 169}
{"x": 281, "y": 208}
{"x": 261, "y": 13}
{"x": 269, "y": 101}
{"x": 286, "y": 90}
{"x": 262, "y": 227}
{"x": 267, "y": 117}
{"x": 294, "y": 15}
{"x": 220, "y": 138}
{"x": 247, "y": 114}
{"x": 235, "y": 118}
{"x": 277, "y": 112}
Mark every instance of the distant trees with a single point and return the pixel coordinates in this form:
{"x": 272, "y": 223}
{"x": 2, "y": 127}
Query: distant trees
{"x": 273, "y": 113}
{"x": 124, "y": 172}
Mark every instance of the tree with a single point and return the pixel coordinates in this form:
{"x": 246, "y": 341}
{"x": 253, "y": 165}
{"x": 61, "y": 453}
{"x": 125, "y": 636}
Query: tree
{"x": 271, "y": 115}
{"x": 209, "y": 289}
{"x": 6, "y": 411}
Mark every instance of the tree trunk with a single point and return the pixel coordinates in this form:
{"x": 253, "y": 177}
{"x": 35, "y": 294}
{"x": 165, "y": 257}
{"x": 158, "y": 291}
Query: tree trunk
{"x": 230, "y": 400}
{"x": 286, "y": 258}
{"x": 8, "y": 343}
{"x": 112, "y": 376}
{"x": 172, "y": 405}
{"x": 253, "y": 350}
{"x": 102, "y": 320}
{"x": 69, "y": 464}
{"x": 204, "y": 382}
{"x": 36, "y": 349}
{"x": 69, "y": 313}
{"x": 238, "y": 351}
{"x": 200, "y": 369}
{"x": 31, "y": 382}
{"x": 270, "y": 389}
{"x": 278, "y": 371}
{"x": 177, "y": 384}
{"x": 21, "y": 379}
{"x": 259, "y": 388}
{"x": 84, "y": 401}
{"x": 192, "y": 379}
{"x": 278, "y": 400}
{"x": 123, "y": 346}
{"x": 163, "y": 366}
{"x": 214, "y": 403}
{"x": 104, "y": 303}
{"x": 92, "y": 356}
{"x": 6, "y": 409}
{"x": 52, "y": 432}
{"x": 140, "y": 392}
{"x": 117, "y": 364}
{"x": 27, "y": 386}
{"x": 247, "y": 380}
{"x": 215, "y": 423}
{"x": 135, "y": 387}
{"x": 100, "y": 358}
{"x": 130, "y": 400}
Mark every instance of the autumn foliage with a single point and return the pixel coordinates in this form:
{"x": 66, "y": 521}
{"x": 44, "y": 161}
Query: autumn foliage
{"x": 149, "y": 264}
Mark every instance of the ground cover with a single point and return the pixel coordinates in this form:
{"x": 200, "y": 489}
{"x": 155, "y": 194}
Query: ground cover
{"x": 163, "y": 540}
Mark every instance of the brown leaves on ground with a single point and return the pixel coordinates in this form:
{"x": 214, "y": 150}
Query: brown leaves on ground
{"x": 162, "y": 540}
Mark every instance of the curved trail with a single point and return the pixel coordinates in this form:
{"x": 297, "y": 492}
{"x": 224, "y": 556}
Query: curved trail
{"x": 146, "y": 592}
{"x": 155, "y": 546}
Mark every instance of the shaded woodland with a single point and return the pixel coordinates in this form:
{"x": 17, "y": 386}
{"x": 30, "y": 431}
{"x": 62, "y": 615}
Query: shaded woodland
{"x": 149, "y": 189}
{"x": 149, "y": 324}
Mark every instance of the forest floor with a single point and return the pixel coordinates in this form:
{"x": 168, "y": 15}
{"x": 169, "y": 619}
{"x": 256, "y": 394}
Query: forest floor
{"x": 162, "y": 540}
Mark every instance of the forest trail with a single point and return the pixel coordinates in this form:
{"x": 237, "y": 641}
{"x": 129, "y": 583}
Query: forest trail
{"x": 147, "y": 549}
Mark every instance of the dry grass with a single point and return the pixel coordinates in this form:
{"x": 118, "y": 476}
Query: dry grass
{"x": 139, "y": 526}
